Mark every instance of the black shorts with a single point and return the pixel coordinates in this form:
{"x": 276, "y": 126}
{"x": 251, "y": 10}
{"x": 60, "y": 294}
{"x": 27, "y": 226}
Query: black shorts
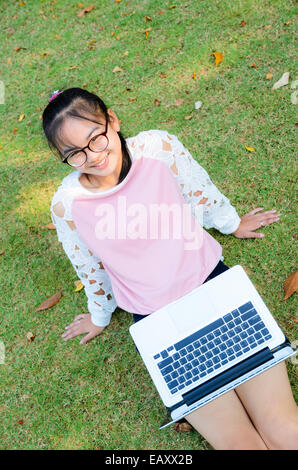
{"x": 219, "y": 268}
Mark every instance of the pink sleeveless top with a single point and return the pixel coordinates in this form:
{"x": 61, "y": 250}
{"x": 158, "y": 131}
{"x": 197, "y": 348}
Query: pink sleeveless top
{"x": 152, "y": 255}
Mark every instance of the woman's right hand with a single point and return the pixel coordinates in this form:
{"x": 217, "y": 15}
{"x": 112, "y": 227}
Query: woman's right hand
{"x": 82, "y": 324}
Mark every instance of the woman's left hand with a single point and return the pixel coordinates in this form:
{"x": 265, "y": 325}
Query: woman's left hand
{"x": 254, "y": 220}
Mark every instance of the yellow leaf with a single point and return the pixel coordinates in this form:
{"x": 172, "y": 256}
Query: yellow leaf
{"x": 218, "y": 57}
{"x": 21, "y": 117}
{"x": 250, "y": 149}
{"x": 269, "y": 76}
{"x": 79, "y": 286}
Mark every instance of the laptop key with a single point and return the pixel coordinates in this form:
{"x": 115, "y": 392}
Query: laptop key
{"x": 187, "y": 375}
{"x": 190, "y": 348}
{"x": 265, "y": 332}
{"x": 165, "y": 362}
{"x": 176, "y": 365}
{"x": 156, "y": 356}
{"x": 253, "y": 345}
{"x": 197, "y": 344}
{"x": 183, "y": 352}
{"x": 210, "y": 336}
{"x": 190, "y": 357}
{"x": 176, "y": 356}
{"x": 260, "y": 341}
{"x": 259, "y": 326}
{"x": 231, "y": 358}
{"x": 254, "y": 320}
{"x": 166, "y": 370}
{"x": 188, "y": 382}
{"x": 228, "y": 317}
{"x": 183, "y": 361}
{"x": 168, "y": 378}
{"x": 181, "y": 379}
{"x": 235, "y": 313}
{"x": 203, "y": 349}
{"x": 247, "y": 315}
{"x": 164, "y": 354}
{"x": 245, "y": 307}
{"x": 181, "y": 386}
{"x": 172, "y": 384}
{"x": 268, "y": 337}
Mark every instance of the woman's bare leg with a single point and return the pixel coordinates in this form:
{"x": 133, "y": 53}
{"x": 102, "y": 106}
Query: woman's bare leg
{"x": 269, "y": 401}
{"x": 225, "y": 424}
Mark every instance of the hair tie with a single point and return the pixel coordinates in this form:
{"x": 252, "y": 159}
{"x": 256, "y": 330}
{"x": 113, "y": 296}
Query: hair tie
{"x": 55, "y": 93}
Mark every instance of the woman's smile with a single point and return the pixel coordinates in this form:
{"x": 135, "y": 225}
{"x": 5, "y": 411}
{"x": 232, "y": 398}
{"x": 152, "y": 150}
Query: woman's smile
{"x": 103, "y": 163}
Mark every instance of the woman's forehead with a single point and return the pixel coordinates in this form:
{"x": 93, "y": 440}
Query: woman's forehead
{"x": 74, "y": 131}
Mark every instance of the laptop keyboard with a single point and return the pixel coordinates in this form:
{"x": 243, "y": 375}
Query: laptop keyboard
{"x": 211, "y": 347}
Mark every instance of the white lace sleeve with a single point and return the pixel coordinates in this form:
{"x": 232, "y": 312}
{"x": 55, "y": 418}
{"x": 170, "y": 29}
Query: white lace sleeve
{"x": 89, "y": 269}
{"x": 195, "y": 183}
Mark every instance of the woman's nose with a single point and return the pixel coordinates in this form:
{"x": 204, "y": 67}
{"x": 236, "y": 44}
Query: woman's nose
{"x": 94, "y": 156}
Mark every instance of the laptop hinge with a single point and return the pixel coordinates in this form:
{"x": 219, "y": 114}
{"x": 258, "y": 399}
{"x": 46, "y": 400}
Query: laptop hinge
{"x": 227, "y": 376}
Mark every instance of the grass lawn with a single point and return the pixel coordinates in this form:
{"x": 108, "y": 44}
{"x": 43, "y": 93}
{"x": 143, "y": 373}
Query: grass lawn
{"x": 62, "y": 395}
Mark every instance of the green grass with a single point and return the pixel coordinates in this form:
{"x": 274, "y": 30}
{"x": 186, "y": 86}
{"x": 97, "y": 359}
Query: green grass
{"x": 100, "y": 396}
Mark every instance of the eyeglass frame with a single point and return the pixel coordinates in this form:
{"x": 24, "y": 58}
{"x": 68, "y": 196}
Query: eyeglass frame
{"x": 87, "y": 146}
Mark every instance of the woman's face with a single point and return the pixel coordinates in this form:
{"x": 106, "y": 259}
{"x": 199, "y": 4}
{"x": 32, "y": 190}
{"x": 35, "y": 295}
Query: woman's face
{"x": 75, "y": 134}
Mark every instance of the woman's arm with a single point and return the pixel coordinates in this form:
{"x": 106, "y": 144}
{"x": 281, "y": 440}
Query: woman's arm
{"x": 88, "y": 267}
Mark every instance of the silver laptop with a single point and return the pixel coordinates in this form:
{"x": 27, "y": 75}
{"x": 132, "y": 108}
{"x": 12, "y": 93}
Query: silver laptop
{"x": 208, "y": 342}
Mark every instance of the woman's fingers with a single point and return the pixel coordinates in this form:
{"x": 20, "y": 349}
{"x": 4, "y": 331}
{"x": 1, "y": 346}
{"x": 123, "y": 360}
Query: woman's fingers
{"x": 255, "y": 210}
{"x": 87, "y": 338}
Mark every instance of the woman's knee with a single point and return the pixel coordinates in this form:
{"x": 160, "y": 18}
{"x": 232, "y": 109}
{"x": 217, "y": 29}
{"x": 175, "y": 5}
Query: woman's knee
{"x": 282, "y": 433}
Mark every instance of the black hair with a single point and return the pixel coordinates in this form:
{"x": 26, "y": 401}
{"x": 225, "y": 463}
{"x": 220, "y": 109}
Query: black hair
{"x": 83, "y": 104}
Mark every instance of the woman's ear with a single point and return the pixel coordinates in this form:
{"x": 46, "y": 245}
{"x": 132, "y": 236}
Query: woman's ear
{"x": 115, "y": 123}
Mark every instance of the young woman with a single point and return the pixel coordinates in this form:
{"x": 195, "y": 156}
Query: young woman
{"x": 119, "y": 265}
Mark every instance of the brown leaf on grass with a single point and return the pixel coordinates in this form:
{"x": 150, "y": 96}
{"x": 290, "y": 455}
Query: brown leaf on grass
{"x": 184, "y": 427}
{"x": 291, "y": 285}
{"x": 178, "y": 102}
{"x": 51, "y": 226}
{"x": 30, "y": 336}
{"x": 253, "y": 65}
{"x": 243, "y": 23}
{"x": 50, "y": 301}
{"x": 218, "y": 57}
{"x": 157, "y": 102}
{"x": 85, "y": 10}
{"x": 117, "y": 69}
{"x": 2, "y": 252}
{"x": 269, "y": 76}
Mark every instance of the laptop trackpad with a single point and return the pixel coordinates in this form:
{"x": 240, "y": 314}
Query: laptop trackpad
{"x": 193, "y": 311}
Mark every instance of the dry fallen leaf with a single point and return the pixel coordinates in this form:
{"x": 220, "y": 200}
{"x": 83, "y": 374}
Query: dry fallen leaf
{"x": 85, "y": 10}
{"x": 2, "y": 252}
{"x": 21, "y": 117}
{"x": 157, "y": 102}
{"x": 269, "y": 76}
{"x": 50, "y": 302}
{"x": 79, "y": 286}
{"x": 253, "y": 65}
{"x": 117, "y": 69}
{"x": 243, "y": 23}
{"x": 284, "y": 80}
{"x": 185, "y": 427}
{"x": 178, "y": 102}
{"x": 51, "y": 226}
{"x": 250, "y": 149}
{"x": 218, "y": 57}
{"x": 30, "y": 336}
{"x": 291, "y": 285}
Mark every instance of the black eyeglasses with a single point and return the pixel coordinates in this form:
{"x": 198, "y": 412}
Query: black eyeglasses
{"x": 98, "y": 143}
